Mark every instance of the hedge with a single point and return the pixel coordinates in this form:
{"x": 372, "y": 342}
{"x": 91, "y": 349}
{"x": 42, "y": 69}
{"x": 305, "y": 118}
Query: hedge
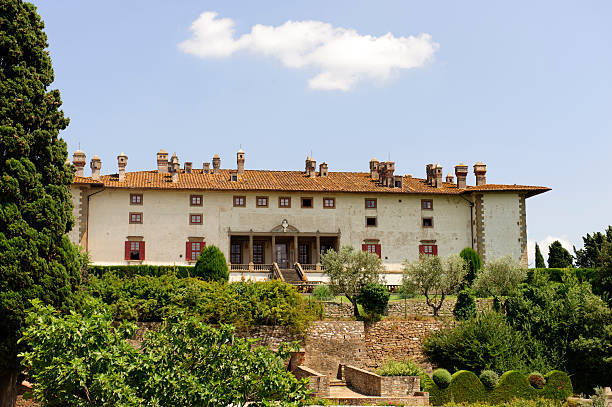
{"x": 555, "y": 274}
{"x": 142, "y": 270}
{"x": 466, "y": 387}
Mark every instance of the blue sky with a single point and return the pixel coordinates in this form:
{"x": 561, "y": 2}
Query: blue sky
{"x": 525, "y": 87}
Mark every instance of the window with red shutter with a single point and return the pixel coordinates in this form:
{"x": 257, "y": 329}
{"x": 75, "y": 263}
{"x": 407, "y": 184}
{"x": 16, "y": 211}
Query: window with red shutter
{"x": 428, "y": 250}
{"x": 188, "y": 251}
{"x": 378, "y": 250}
{"x": 127, "y": 250}
{"x": 134, "y": 250}
{"x": 142, "y": 250}
{"x": 371, "y": 248}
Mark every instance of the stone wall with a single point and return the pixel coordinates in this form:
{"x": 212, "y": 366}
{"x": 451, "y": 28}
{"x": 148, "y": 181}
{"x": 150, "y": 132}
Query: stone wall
{"x": 318, "y": 383}
{"x": 362, "y": 381}
{"x": 403, "y": 309}
{"x": 398, "y": 386}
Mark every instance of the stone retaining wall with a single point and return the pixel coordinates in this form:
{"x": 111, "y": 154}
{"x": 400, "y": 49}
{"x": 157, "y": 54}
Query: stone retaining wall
{"x": 318, "y": 383}
{"x": 404, "y": 309}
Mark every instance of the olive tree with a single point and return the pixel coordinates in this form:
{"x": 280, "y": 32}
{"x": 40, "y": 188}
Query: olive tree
{"x": 349, "y": 270}
{"x": 435, "y": 278}
{"x": 498, "y": 277}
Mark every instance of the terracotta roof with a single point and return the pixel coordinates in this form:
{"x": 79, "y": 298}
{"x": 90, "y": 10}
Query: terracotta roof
{"x": 264, "y": 180}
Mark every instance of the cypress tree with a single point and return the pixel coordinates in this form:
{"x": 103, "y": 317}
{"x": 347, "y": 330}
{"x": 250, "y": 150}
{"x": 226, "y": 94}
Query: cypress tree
{"x": 474, "y": 264}
{"x": 211, "y": 265}
{"x": 539, "y": 259}
{"x": 558, "y": 256}
{"x": 36, "y": 258}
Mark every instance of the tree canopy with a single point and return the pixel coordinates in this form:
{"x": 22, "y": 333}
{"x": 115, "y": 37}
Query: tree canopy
{"x": 558, "y": 256}
{"x": 499, "y": 277}
{"x": 36, "y": 258}
{"x": 473, "y": 264}
{"x": 539, "y": 259}
{"x": 590, "y": 255}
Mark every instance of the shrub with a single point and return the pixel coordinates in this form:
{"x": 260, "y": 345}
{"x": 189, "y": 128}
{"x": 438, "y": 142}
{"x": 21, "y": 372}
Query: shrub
{"x": 465, "y": 307}
{"x": 441, "y": 378}
{"x": 374, "y": 299}
{"x": 512, "y": 385}
{"x": 489, "y": 378}
{"x": 558, "y": 386}
{"x": 399, "y": 368}
{"x": 474, "y": 263}
{"x": 211, "y": 265}
{"x": 322, "y": 293}
{"x": 536, "y": 380}
{"x": 465, "y": 387}
{"x": 141, "y": 270}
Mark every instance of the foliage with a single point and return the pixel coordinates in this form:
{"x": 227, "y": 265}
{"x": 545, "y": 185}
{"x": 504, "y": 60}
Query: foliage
{"x": 603, "y": 281}
{"x": 399, "y": 368}
{"x": 539, "y": 259}
{"x": 599, "y": 399}
{"x": 211, "y": 265}
{"x": 322, "y": 293}
{"x": 474, "y": 264}
{"x": 441, "y": 378}
{"x": 349, "y": 270}
{"x": 36, "y": 257}
{"x": 374, "y": 297}
{"x": 499, "y": 277}
{"x": 513, "y": 403}
{"x": 84, "y": 360}
{"x": 558, "y": 256}
{"x": 243, "y": 304}
{"x": 465, "y": 387}
{"x": 142, "y": 270}
{"x": 435, "y": 278}
{"x": 489, "y": 378}
{"x": 572, "y": 325}
{"x": 465, "y": 307}
{"x": 590, "y": 255}
{"x": 536, "y": 380}
{"x": 485, "y": 342}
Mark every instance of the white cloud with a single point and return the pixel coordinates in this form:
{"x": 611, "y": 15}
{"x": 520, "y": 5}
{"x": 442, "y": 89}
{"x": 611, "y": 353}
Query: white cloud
{"x": 544, "y": 243}
{"x": 342, "y": 56}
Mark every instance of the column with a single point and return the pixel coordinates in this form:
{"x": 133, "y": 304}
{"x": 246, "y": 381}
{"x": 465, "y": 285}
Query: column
{"x": 295, "y": 249}
{"x": 317, "y": 258}
{"x": 250, "y": 251}
{"x": 273, "y": 249}
{"x": 229, "y": 249}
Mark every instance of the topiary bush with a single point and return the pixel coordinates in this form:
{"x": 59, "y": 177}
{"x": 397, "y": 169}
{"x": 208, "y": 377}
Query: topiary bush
{"x": 322, "y": 293}
{"x": 536, "y": 380}
{"x": 489, "y": 378}
{"x": 211, "y": 265}
{"x": 512, "y": 385}
{"x": 474, "y": 264}
{"x": 399, "y": 368}
{"x": 465, "y": 307}
{"x": 558, "y": 386}
{"x": 442, "y": 378}
{"x": 374, "y": 299}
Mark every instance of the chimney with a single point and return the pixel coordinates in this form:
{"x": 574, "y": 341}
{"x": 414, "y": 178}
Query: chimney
{"x": 450, "y": 178}
{"x": 374, "y": 169}
{"x": 429, "y": 173}
{"x": 311, "y": 167}
{"x": 216, "y": 164}
{"x": 122, "y": 163}
{"x": 240, "y": 161}
{"x": 397, "y": 181}
{"x": 162, "y": 161}
{"x": 175, "y": 167}
{"x": 480, "y": 170}
{"x": 437, "y": 173}
{"x": 188, "y": 167}
{"x": 79, "y": 160}
{"x": 461, "y": 171}
{"x": 206, "y": 168}
{"x": 323, "y": 170}
{"x": 385, "y": 176}
{"x": 96, "y": 165}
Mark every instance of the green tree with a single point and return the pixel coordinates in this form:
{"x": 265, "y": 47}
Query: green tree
{"x": 499, "y": 277}
{"x": 603, "y": 281}
{"x": 435, "y": 278}
{"x": 558, "y": 256}
{"x": 374, "y": 299}
{"x": 465, "y": 307}
{"x": 211, "y": 265}
{"x": 539, "y": 259}
{"x": 590, "y": 255}
{"x": 349, "y": 270}
{"x": 36, "y": 257}
{"x": 473, "y": 263}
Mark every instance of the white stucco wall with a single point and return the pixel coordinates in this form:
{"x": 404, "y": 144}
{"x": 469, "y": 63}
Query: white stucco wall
{"x": 502, "y": 225}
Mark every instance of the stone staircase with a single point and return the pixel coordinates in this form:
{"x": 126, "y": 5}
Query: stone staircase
{"x": 291, "y": 276}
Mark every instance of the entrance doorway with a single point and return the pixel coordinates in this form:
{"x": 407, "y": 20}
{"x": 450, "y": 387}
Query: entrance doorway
{"x": 280, "y": 255}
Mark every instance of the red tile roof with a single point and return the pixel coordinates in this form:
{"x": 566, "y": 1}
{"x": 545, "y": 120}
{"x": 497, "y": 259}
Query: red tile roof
{"x": 290, "y": 181}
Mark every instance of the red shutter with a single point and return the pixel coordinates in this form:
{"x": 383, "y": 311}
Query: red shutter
{"x": 421, "y": 249}
{"x": 142, "y": 250}
{"x": 188, "y": 251}
{"x": 127, "y": 250}
{"x": 435, "y": 250}
{"x": 364, "y": 247}
{"x": 203, "y": 244}
{"x": 378, "y": 251}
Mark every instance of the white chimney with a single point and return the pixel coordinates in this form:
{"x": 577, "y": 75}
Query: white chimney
{"x": 79, "y": 160}
{"x": 122, "y": 163}
{"x": 96, "y": 165}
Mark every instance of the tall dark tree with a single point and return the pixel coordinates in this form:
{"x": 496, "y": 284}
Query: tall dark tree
{"x": 558, "y": 256}
{"x": 36, "y": 257}
{"x": 474, "y": 264}
{"x": 539, "y": 259}
{"x": 590, "y": 255}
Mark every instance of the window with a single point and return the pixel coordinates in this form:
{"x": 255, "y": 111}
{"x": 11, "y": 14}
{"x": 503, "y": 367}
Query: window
{"x": 134, "y": 250}
{"x": 262, "y": 201}
{"x": 135, "y": 217}
{"x": 195, "y": 219}
{"x": 398, "y": 184}
{"x": 284, "y": 202}
{"x": 428, "y": 222}
{"x": 193, "y": 250}
{"x": 240, "y": 201}
{"x": 303, "y": 253}
{"x": 135, "y": 199}
{"x": 428, "y": 250}
{"x": 329, "y": 203}
{"x": 371, "y": 221}
{"x": 236, "y": 253}
{"x": 370, "y": 203}
{"x": 195, "y": 200}
{"x": 258, "y": 253}
{"x": 426, "y": 204}
{"x": 372, "y": 248}
{"x": 306, "y": 202}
